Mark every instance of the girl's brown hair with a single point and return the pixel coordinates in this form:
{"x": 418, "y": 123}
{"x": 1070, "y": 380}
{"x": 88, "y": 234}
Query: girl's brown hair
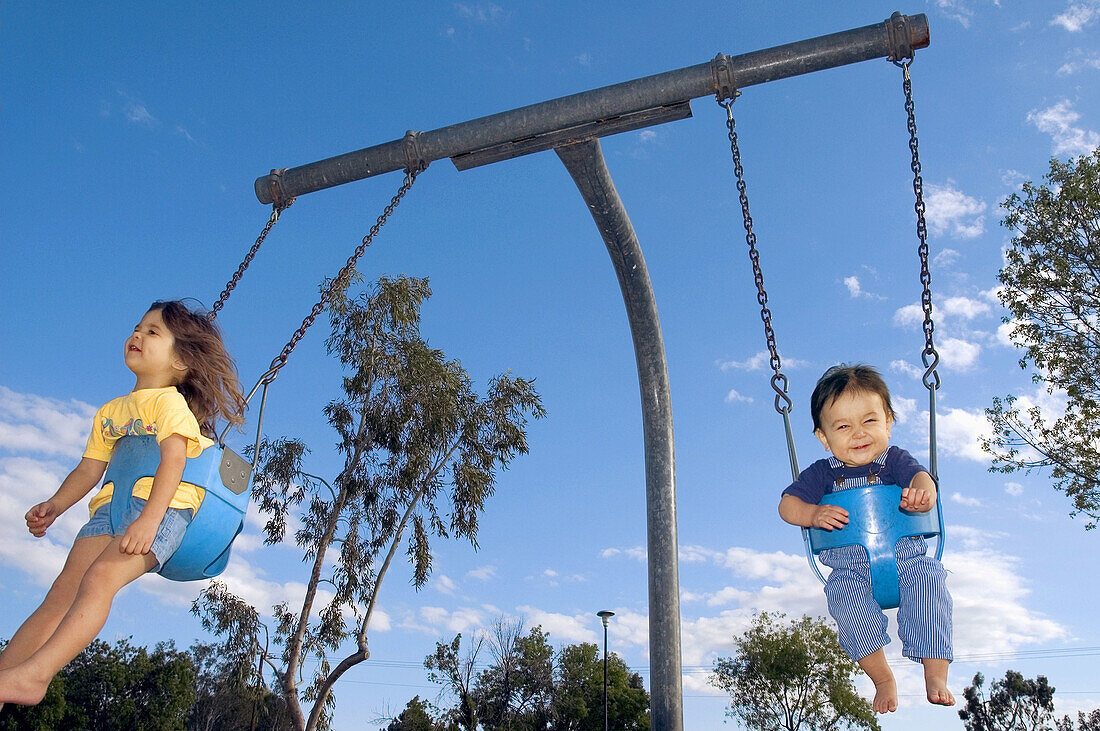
{"x": 210, "y": 387}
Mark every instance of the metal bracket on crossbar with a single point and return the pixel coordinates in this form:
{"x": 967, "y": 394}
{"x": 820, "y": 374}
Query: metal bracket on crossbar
{"x": 572, "y": 135}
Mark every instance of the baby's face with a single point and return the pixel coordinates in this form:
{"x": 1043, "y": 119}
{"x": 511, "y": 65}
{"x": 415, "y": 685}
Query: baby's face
{"x": 855, "y": 427}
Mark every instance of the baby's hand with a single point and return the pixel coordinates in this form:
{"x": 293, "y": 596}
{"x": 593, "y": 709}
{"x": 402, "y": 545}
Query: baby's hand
{"x": 829, "y": 517}
{"x": 139, "y": 536}
{"x": 915, "y": 500}
{"x": 41, "y": 517}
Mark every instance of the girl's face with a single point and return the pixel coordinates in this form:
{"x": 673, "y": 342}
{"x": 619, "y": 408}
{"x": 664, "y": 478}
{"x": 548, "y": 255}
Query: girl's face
{"x": 855, "y": 427}
{"x": 150, "y": 353}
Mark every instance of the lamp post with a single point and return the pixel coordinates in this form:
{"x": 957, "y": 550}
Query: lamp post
{"x": 605, "y": 615}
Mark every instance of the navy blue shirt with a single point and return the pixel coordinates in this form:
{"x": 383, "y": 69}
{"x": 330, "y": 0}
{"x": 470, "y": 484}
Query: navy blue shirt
{"x": 895, "y": 466}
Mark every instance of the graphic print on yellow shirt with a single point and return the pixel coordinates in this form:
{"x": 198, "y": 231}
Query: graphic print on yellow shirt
{"x": 159, "y": 412}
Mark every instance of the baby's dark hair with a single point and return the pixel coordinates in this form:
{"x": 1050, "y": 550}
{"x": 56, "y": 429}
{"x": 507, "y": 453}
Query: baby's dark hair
{"x": 210, "y": 387}
{"x": 842, "y": 378}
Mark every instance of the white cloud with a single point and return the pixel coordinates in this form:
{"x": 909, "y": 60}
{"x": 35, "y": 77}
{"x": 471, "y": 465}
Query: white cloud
{"x": 970, "y": 502}
{"x": 909, "y": 315}
{"x": 760, "y": 361}
{"x": 443, "y": 584}
{"x": 563, "y": 627}
{"x": 482, "y": 573}
{"x": 957, "y": 354}
{"x": 1014, "y": 488}
{"x": 638, "y": 553}
{"x": 647, "y": 135}
{"x": 1012, "y": 178}
{"x": 964, "y": 307}
{"x": 1078, "y": 15}
{"x": 945, "y": 258}
{"x": 959, "y": 431}
{"x": 481, "y": 12}
{"x": 440, "y": 620}
{"x": 138, "y": 114}
{"x": 956, "y": 10}
{"x": 852, "y": 283}
{"x": 754, "y": 363}
{"x": 734, "y": 397}
{"x": 906, "y": 368}
{"x": 1059, "y": 122}
{"x": 951, "y": 211}
{"x": 40, "y": 425}
{"x": 1004, "y": 334}
{"x": 1080, "y": 62}
{"x": 903, "y": 407}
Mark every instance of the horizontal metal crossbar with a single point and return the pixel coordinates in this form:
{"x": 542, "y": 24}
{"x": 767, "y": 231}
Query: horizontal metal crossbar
{"x": 896, "y": 38}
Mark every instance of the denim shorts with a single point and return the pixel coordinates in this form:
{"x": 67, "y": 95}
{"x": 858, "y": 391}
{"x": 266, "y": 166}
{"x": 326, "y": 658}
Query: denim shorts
{"x": 169, "y": 534}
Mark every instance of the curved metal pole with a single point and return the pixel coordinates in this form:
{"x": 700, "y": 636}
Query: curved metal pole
{"x": 586, "y": 165}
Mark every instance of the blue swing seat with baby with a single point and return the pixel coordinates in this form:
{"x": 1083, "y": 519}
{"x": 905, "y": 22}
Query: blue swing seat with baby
{"x": 876, "y": 523}
{"x": 225, "y": 478}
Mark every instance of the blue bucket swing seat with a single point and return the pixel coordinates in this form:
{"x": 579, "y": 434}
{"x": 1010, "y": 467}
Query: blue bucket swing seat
{"x": 876, "y": 523}
{"x": 225, "y": 478}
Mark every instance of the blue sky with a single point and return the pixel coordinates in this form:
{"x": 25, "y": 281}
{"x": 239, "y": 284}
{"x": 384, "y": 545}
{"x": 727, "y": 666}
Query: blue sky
{"x": 132, "y": 133}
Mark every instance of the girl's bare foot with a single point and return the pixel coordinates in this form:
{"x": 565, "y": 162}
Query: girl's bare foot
{"x": 19, "y": 689}
{"x": 935, "y": 682}
{"x": 886, "y": 697}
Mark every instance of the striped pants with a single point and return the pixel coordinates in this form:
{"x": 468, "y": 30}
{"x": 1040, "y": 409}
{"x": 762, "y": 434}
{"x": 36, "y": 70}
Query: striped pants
{"x": 924, "y": 611}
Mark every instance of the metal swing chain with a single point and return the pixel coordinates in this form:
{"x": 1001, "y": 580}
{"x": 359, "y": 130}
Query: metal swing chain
{"x": 779, "y": 383}
{"x": 340, "y": 280}
{"x": 276, "y": 211}
{"x": 929, "y": 356}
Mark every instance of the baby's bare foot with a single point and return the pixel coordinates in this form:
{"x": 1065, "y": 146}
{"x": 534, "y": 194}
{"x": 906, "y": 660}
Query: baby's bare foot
{"x": 18, "y": 689}
{"x": 935, "y": 682}
{"x": 886, "y": 697}
{"x": 938, "y": 692}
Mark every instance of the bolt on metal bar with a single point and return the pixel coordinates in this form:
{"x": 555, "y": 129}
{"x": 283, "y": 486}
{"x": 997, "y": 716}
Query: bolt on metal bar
{"x": 896, "y": 38}
{"x": 586, "y": 165}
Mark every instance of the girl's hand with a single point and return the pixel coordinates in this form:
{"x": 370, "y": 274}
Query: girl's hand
{"x": 41, "y": 517}
{"x": 828, "y": 517}
{"x": 915, "y": 500}
{"x": 139, "y": 536}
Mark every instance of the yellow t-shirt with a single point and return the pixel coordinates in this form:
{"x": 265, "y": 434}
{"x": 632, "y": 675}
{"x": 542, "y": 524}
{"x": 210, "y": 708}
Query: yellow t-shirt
{"x": 161, "y": 412}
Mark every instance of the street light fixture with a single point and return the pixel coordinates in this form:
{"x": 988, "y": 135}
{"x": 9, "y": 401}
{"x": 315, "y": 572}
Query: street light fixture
{"x": 605, "y": 615}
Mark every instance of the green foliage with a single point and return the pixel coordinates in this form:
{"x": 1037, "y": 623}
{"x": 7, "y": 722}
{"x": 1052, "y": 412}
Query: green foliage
{"x": 114, "y": 687}
{"x": 421, "y": 452}
{"x": 1085, "y": 722}
{"x": 528, "y": 686}
{"x": 578, "y": 697}
{"x": 792, "y": 675}
{"x": 415, "y": 717}
{"x": 230, "y": 694}
{"x": 1051, "y": 287}
{"x": 1014, "y": 704}
{"x": 455, "y": 672}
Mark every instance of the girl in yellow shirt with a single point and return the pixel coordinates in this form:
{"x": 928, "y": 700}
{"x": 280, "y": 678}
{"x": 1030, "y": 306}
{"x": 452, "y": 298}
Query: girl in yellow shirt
{"x": 185, "y": 381}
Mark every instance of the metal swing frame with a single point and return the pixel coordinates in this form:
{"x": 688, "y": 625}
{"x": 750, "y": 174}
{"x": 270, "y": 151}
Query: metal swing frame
{"x": 572, "y": 126}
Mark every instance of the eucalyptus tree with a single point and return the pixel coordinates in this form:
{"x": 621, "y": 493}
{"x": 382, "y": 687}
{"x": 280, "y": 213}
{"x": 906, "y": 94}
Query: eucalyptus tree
{"x": 421, "y": 451}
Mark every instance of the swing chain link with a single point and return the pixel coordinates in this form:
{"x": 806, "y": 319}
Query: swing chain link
{"x": 343, "y": 277}
{"x": 779, "y": 383}
{"x": 929, "y": 356}
{"x": 276, "y": 210}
